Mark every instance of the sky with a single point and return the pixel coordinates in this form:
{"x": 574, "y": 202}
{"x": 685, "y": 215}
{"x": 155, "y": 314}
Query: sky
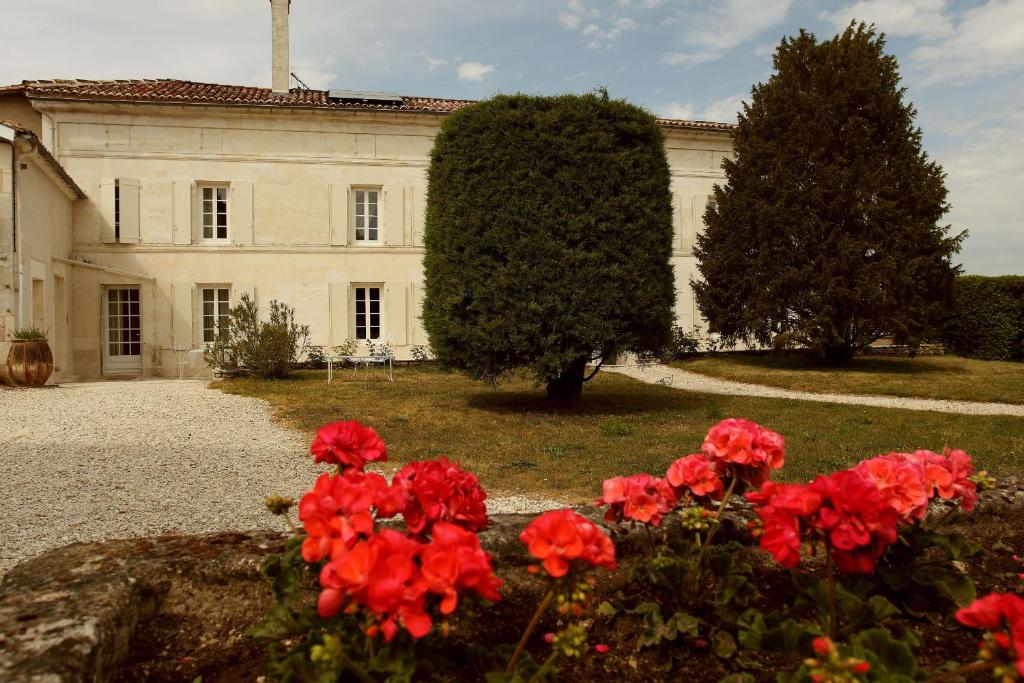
{"x": 962, "y": 64}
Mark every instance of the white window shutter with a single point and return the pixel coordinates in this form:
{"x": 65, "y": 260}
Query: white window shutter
{"x": 396, "y": 324}
{"x": 689, "y": 223}
{"x": 337, "y": 195}
{"x": 181, "y": 212}
{"x": 241, "y": 212}
{"x": 677, "y": 220}
{"x": 419, "y": 215}
{"x": 129, "y": 189}
{"x": 107, "y": 210}
{"x": 240, "y": 288}
{"x": 394, "y": 215}
{"x": 182, "y": 314}
{"x": 339, "y": 294}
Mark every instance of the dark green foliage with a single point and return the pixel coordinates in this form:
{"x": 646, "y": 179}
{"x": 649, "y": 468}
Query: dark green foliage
{"x": 548, "y": 235}
{"x": 826, "y": 232}
{"x": 987, "y": 320}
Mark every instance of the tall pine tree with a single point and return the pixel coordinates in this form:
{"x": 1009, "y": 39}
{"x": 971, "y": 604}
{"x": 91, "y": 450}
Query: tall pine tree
{"x": 826, "y": 233}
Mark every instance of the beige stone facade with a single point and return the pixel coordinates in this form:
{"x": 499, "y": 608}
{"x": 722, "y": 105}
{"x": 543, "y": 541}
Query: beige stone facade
{"x": 284, "y": 181}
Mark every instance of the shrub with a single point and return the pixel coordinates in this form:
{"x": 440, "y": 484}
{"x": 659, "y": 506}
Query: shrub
{"x": 548, "y": 236}
{"x": 250, "y": 346}
{"x": 315, "y": 357}
{"x": 987, "y": 320}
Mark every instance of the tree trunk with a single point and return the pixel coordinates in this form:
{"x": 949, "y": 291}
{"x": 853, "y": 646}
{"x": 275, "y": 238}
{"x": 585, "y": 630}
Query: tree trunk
{"x": 568, "y": 386}
{"x": 839, "y": 354}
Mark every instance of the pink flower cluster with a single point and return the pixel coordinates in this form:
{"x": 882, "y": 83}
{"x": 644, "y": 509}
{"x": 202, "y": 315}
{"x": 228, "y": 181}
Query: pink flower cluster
{"x": 388, "y": 573}
{"x": 858, "y": 511}
{"x": 732, "y": 448}
{"x": 560, "y": 537}
{"x": 640, "y": 497}
{"x": 1002, "y": 614}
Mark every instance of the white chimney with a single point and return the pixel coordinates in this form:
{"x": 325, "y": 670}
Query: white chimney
{"x": 279, "y": 33}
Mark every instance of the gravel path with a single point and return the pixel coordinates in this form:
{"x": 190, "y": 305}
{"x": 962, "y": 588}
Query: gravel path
{"x": 692, "y": 381}
{"x": 101, "y": 460}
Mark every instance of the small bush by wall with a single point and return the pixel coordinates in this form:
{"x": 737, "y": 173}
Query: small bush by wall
{"x": 987, "y": 319}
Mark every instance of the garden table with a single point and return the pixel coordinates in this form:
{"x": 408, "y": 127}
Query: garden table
{"x": 366, "y": 362}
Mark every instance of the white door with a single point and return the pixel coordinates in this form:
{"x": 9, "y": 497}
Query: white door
{"x": 122, "y": 325}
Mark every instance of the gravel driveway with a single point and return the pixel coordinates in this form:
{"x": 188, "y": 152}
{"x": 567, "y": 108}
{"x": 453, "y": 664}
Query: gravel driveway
{"x": 100, "y": 460}
{"x": 692, "y": 381}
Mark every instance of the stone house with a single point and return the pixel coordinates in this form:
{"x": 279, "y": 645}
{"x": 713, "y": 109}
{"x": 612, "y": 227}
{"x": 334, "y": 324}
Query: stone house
{"x": 134, "y": 212}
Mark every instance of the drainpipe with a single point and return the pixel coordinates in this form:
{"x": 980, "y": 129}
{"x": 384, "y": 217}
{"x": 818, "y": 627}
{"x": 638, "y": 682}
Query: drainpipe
{"x": 17, "y": 272}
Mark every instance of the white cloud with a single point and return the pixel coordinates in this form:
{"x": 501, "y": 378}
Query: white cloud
{"x": 722, "y": 111}
{"x": 925, "y": 18}
{"x": 474, "y": 71}
{"x": 601, "y": 30}
{"x": 723, "y": 26}
{"x": 989, "y": 39}
{"x": 316, "y": 73}
{"x": 984, "y": 182}
{"x": 433, "y": 63}
{"x": 677, "y": 110}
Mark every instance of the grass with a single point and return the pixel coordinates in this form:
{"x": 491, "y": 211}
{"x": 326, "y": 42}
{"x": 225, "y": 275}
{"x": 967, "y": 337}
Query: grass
{"x": 514, "y": 442}
{"x": 946, "y": 377}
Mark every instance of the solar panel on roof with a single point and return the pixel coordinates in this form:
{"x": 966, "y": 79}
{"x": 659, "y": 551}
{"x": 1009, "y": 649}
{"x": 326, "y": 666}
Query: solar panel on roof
{"x": 364, "y": 96}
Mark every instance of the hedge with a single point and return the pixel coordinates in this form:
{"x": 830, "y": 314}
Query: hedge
{"x": 987, "y": 320}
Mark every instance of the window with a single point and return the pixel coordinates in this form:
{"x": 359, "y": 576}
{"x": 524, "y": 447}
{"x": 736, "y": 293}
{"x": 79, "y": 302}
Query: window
{"x": 117, "y": 210}
{"x": 215, "y": 212}
{"x": 367, "y": 310}
{"x": 366, "y": 220}
{"x": 215, "y": 312}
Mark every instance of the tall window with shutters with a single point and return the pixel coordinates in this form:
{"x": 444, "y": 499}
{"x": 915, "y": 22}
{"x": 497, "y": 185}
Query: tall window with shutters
{"x": 366, "y": 215}
{"x": 215, "y": 312}
{"x": 367, "y": 322}
{"x": 214, "y": 212}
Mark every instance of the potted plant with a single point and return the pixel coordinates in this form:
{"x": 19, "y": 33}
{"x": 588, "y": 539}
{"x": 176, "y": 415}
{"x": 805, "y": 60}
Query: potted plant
{"x": 29, "y": 360}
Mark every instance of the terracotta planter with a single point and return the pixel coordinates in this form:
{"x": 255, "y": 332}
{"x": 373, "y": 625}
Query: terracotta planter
{"x": 29, "y": 362}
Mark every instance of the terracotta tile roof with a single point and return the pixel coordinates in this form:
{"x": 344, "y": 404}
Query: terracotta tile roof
{"x": 170, "y": 91}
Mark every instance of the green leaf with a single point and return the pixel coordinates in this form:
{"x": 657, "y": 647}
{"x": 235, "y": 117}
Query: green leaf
{"x": 723, "y": 644}
{"x": 280, "y": 622}
{"x": 657, "y": 629}
{"x": 738, "y": 678}
{"x": 607, "y": 609}
{"x": 952, "y": 583}
{"x": 887, "y": 655}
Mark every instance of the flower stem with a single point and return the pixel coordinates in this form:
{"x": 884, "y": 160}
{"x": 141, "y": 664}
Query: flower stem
{"x": 831, "y": 593}
{"x": 650, "y": 538}
{"x": 698, "y": 569}
{"x": 548, "y": 597}
{"x": 961, "y": 670}
{"x": 545, "y": 668}
{"x": 291, "y": 524}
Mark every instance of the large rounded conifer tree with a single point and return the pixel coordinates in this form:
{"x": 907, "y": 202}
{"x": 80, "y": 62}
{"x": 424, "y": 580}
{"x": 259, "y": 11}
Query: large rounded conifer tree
{"x": 548, "y": 235}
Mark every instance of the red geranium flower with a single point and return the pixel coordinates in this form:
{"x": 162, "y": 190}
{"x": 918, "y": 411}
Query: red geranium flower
{"x": 1003, "y": 615}
{"x": 440, "y": 491}
{"x": 348, "y": 444}
{"x": 844, "y": 509}
{"x": 748, "y": 449}
{"x": 560, "y": 536}
{"x": 454, "y": 559}
{"x": 949, "y": 475}
{"x": 695, "y": 473}
{"x": 901, "y": 481}
{"x": 641, "y": 497}
{"x": 336, "y": 511}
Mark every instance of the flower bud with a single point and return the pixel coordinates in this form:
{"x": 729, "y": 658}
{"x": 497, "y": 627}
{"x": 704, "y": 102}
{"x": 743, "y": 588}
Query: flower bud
{"x": 278, "y": 505}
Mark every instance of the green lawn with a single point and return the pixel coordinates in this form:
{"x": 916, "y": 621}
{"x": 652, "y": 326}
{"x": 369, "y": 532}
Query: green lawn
{"x": 949, "y": 377}
{"x": 515, "y": 443}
